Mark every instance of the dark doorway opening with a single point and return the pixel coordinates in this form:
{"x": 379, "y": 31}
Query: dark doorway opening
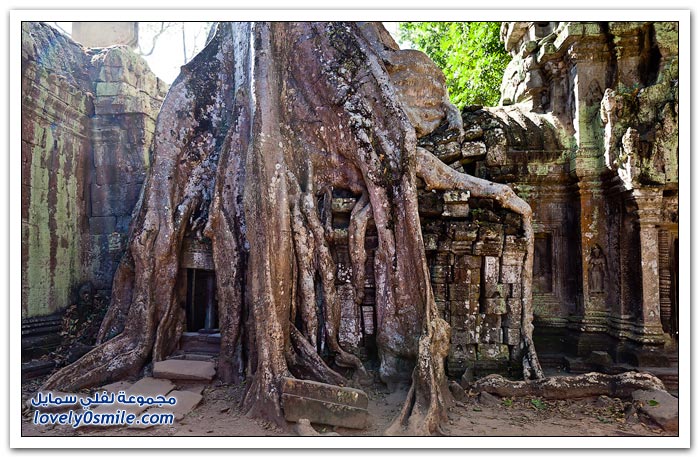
{"x": 542, "y": 267}
{"x": 202, "y": 308}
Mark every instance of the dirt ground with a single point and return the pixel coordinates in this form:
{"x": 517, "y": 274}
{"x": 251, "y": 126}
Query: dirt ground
{"x": 219, "y": 414}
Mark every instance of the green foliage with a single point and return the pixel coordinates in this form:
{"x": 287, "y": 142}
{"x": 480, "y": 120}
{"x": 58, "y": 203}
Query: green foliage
{"x": 469, "y": 53}
{"x": 538, "y": 404}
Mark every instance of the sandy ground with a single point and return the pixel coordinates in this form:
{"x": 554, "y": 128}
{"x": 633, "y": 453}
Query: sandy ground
{"x": 219, "y": 414}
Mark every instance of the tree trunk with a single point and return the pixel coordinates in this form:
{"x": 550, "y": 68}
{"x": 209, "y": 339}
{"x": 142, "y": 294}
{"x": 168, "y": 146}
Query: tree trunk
{"x": 257, "y": 129}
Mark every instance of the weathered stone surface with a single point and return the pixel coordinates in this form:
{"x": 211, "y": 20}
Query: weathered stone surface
{"x": 456, "y": 204}
{"x": 492, "y": 351}
{"x": 175, "y": 369}
{"x": 304, "y": 428}
{"x": 600, "y": 359}
{"x": 325, "y": 392}
{"x": 457, "y": 391}
{"x": 578, "y": 386}
{"x": 350, "y": 332}
{"x": 659, "y": 406}
{"x": 626, "y": 133}
{"x": 323, "y": 412}
{"x": 495, "y": 306}
{"x": 511, "y": 336}
{"x": 473, "y": 149}
{"x": 323, "y": 403}
{"x": 55, "y": 150}
{"x": 81, "y": 169}
{"x": 487, "y": 399}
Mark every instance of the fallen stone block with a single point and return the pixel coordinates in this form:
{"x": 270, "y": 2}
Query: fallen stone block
{"x": 487, "y": 399}
{"x": 659, "y": 406}
{"x": 184, "y": 369}
{"x": 325, "y": 392}
{"x": 324, "y": 404}
{"x": 457, "y": 391}
{"x": 323, "y": 412}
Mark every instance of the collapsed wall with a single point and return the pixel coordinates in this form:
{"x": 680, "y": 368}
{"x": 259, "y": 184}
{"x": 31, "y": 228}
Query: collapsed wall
{"x": 88, "y": 117}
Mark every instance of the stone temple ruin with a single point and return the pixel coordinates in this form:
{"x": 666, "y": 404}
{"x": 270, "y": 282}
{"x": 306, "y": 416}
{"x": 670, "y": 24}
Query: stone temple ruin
{"x": 586, "y": 132}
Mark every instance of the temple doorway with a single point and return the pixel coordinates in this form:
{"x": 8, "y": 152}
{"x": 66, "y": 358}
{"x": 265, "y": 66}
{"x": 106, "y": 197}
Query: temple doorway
{"x": 201, "y": 307}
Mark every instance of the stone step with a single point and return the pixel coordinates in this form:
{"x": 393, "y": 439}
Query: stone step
{"x": 183, "y": 369}
{"x": 195, "y": 342}
{"x": 192, "y": 356}
{"x": 323, "y": 403}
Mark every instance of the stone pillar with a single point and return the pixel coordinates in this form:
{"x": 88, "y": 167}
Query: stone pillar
{"x": 648, "y": 329}
{"x": 628, "y": 48}
{"x": 594, "y": 279}
{"x": 590, "y": 58}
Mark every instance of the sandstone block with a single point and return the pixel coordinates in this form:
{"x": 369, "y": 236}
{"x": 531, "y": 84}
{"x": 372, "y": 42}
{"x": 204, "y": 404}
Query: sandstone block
{"x": 175, "y": 369}
{"x": 473, "y": 132}
{"x": 659, "y": 406}
{"x": 323, "y": 403}
{"x": 510, "y": 273}
{"x": 448, "y": 152}
{"x": 325, "y": 392}
{"x": 492, "y": 352}
{"x": 473, "y": 149}
{"x": 459, "y": 292}
{"x": 494, "y": 306}
{"x": 511, "y": 336}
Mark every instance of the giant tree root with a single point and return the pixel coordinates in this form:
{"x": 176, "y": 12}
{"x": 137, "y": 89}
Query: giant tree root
{"x": 266, "y": 120}
{"x": 571, "y": 387}
{"x": 425, "y": 408}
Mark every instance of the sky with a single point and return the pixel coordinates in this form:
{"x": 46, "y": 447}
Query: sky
{"x": 168, "y": 56}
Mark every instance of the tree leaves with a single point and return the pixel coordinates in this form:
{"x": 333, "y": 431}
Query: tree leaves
{"x": 469, "y": 53}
